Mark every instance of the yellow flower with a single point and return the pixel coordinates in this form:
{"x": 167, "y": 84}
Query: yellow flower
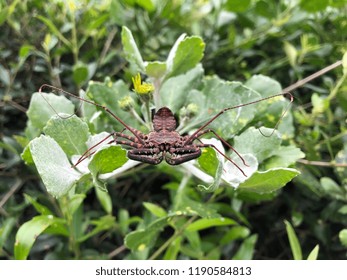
{"x": 141, "y": 88}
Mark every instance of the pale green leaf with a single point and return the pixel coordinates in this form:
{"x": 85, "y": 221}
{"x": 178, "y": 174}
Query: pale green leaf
{"x": 71, "y": 133}
{"x": 314, "y": 253}
{"x": 131, "y": 50}
{"x": 207, "y": 223}
{"x": 29, "y": 231}
{"x": 293, "y": 241}
{"x": 43, "y": 106}
{"x": 343, "y": 237}
{"x": 246, "y": 249}
{"x": 53, "y": 166}
{"x": 155, "y": 209}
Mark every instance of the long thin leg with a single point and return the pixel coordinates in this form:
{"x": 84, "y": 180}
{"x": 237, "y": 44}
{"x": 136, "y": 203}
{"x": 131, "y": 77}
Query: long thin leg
{"x": 226, "y": 157}
{"x": 106, "y": 109}
{"x": 223, "y": 140}
{"x": 132, "y": 143}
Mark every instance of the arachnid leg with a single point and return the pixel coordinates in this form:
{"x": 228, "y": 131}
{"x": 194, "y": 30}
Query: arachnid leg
{"x": 226, "y": 157}
{"x": 223, "y": 141}
{"x": 151, "y": 156}
{"x": 181, "y": 155}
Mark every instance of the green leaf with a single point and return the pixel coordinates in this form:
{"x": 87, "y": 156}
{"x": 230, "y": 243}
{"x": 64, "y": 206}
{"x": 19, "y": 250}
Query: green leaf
{"x": 185, "y": 205}
{"x": 71, "y": 133}
{"x": 208, "y": 161}
{"x": 55, "y": 30}
{"x": 314, "y": 6}
{"x": 42, "y": 105}
{"x": 174, "y": 90}
{"x": 246, "y": 249}
{"x": 172, "y": 251}
{"x": 107, "y": 94}
{"x": 43, "y": 210}
{"x": 131, "y": 50}
{"x": 6, "y": 230}
{"x": 343, "y": 237}
{"x": 5, "y": 76}
{"x": 294, "y": 242}
{"x": 26, "y": 156}
{"x": 284, "y": 156}
{"x": 343, "y": 210}
{"x": 344, "y": 63}
{"x": 117, "y": 12}
{"x": 332, "y": 189}
{"x": 253, "y": 142}
{"x": 184, "y": 55}
{"x": 155, "y": 209}
{"x": 123, "y": 220}
{"x": 25, "y": 50}
{"x": 156, "y": 69}
{"x": 314, "y": 253}
{"x": 219, "y": 95}
{"x": 269, "y": 181}
{"x": 144, "y": 239}
{"x": 102, "y": 224}
{"x": 264, "y": 85}
{"x": 236, "y": 232}
{"x": 291, "y": 53}
{"x": 28, "y": 233}
{"x": 74, "y": 202}
{"x": 320, "y": 104}
{"x": 146, "y": 4}
{"x": 232, "y": 173}
{"x": 237, "y": 6}
{"x": 53, "y": 166}
{"x": 207, "y": 223}
{"x": 80, "y": 73}
{"x": 104, "y": 199}
{"x": 107, "y": 159}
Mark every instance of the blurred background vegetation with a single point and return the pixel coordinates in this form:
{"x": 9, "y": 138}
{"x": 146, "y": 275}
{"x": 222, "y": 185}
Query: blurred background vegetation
{"x": 68, "y": 43}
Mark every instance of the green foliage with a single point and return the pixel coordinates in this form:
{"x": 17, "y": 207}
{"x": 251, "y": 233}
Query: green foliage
{"x": 194, "y": 53}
